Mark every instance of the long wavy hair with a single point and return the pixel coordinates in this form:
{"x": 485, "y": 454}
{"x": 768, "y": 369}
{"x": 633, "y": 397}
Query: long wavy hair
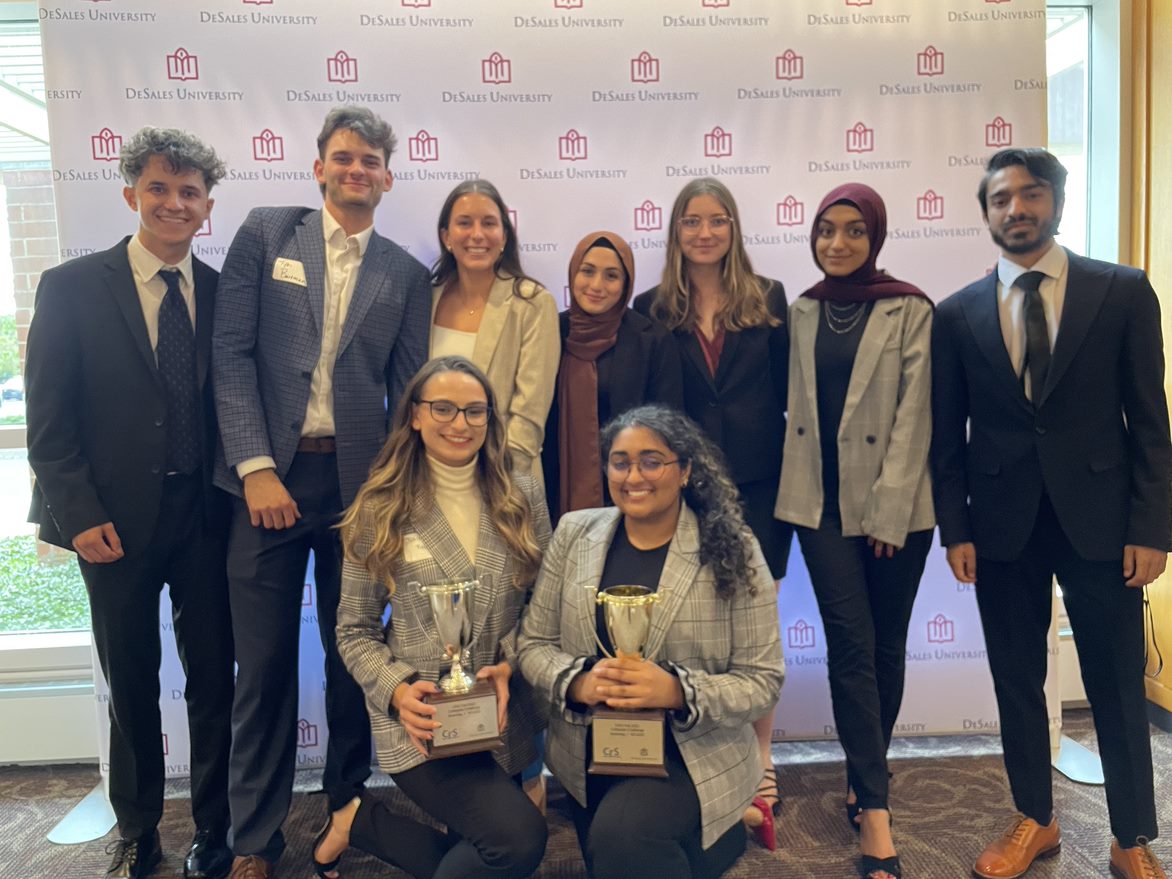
{"x": 710, "y": 492}
{"x": 508, "y": 264}
{"x": 400, "y": 486}
{"x": 745, "y": 303}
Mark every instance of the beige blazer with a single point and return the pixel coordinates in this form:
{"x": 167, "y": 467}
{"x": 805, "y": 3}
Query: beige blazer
{"x": 519, "y": 347}
{"x": 883, "y": 438}
{"x": 727, "y": 654}
{"x": 380, "y": 659}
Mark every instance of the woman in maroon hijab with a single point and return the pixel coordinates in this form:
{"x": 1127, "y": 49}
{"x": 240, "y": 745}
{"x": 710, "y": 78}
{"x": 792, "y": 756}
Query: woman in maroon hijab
{"x": 855, "y": 483}
{"x": 613, "y": 359}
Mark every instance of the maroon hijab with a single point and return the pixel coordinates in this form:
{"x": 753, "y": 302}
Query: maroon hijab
{"x": 867, "y": 283}
{"x": 591, "y": 336}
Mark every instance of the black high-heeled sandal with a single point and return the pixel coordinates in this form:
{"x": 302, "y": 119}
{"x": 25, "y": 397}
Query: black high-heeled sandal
{"x": 853, "y": 810}
{"x": 770, "y": 786}
{"x": 872, "y": 867}
{"x": 320, "y": 869}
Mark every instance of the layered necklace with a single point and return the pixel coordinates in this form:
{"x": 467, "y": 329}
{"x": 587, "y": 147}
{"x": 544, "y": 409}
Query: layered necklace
{"x": 842, "y": 317}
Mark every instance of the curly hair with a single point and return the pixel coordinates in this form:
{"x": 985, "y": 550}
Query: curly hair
{"x": 674, "y": 306}
{"x": 725, "y": 539}
{"x": 183, "y": 152}
{"x": 508, "y": 265}
{"x": 399, "y": 485}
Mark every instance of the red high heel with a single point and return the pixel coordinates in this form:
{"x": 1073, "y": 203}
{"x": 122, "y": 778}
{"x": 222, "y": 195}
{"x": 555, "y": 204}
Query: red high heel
{"x": 765, "y": 832}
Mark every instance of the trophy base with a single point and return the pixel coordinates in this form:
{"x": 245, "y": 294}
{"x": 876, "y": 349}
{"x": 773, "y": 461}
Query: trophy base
{"x": 628, "y": 742}
{"x": 469, "y": 722}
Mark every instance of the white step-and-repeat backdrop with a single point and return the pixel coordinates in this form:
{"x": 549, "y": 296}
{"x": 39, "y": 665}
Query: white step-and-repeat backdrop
{"x": 587, "y": 114}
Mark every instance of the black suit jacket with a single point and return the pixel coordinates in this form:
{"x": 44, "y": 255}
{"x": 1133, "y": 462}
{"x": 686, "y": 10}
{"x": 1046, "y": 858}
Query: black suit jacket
{"x": 1098, "y": 444}
{"x": 742, "y": 408}
{"x": 95, "y": 405}
{"x": 644, "y": 367}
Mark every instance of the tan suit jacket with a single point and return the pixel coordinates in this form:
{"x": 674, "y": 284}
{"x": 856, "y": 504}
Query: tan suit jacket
{"x": 886, "y": 428}
{"x": 409, "y": 649}
{"x": 519, "y": 347}
{"x": 727, "y": 655}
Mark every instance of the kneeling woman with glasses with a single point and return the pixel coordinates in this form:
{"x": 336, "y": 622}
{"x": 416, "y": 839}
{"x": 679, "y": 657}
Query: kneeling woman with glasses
{"x": 713, "y": 658}
{"x": 441, "y": 506}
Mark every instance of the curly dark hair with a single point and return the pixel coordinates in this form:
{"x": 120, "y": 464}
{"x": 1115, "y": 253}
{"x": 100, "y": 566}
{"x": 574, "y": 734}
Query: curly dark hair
{"x": 725, "y": 539}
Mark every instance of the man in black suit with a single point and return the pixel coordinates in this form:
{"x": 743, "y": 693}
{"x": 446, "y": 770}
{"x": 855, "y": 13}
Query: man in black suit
{"x": 121, "y": 432}
{"x": 1054, "y": 364}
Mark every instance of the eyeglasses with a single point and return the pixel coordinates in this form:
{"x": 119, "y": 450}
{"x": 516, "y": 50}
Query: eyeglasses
{"x": 715, "y": 224}
{"x": 649, "y": 468}
{"x": 445, "y": 411}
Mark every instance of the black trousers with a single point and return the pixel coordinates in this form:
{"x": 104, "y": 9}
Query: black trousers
{"x": 266, "y": 577}
{"x": 866, "y": 605}
{"x": 494, "y": 831}
{"x": 1107, "y": 618}
{"x": 124, "y": 606}
{"x": 650, "y": 827}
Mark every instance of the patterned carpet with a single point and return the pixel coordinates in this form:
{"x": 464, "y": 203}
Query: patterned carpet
{"x": 949, "y": 797}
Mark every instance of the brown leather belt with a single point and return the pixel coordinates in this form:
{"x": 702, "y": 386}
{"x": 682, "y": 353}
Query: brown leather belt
{"x": 317, "y": 445}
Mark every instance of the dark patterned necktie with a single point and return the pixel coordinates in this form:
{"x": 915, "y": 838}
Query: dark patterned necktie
{"x": 1037, "y": 355}
{"x": 176, "y": 356}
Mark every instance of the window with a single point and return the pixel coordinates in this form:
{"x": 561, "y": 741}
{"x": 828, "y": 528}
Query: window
{"x": 1067, "y": 66}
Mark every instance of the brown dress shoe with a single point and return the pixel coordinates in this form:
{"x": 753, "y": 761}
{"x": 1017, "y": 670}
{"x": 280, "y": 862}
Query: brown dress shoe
{"x": 1024, "y": 842}
{"x": 252, "y": 867}
{"x": 1138, "y": 862}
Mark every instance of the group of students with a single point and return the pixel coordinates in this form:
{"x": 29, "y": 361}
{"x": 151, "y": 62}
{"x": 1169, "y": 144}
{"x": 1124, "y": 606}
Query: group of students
{"x": 551, "y": 457}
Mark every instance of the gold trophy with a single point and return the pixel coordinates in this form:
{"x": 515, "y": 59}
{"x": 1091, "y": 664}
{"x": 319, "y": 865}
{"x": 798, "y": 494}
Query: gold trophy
{"x": 627, "y": 742}
{"x": 465, "y": 707}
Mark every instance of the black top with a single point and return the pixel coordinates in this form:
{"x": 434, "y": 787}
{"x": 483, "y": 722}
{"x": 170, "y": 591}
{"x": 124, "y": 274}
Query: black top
{"x": 627, "y": 565}
{"x": 835, "y": 348}
{"x": 642, "y": 367}
{"x": 742, "y": 407}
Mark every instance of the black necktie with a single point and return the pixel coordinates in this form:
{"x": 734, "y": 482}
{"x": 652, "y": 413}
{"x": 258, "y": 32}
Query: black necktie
{"x": 1037, "y": 354}
{"x": 176, "y": 356}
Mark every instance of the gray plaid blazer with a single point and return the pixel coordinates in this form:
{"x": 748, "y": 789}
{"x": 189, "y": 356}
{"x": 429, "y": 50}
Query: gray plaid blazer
{"x": 727, "y": 655}
{"x": 408, "y": 649}
{"x": 268, "y": 338}
{"x": 884, "y": 487}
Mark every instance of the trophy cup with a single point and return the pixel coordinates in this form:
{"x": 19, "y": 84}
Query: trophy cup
{"x": 465, "y": 707}
{"x": 627, "y": 742}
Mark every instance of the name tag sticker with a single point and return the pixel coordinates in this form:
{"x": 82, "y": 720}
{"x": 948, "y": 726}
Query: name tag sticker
{"x": 414, "y": 549}
{"x": 289, "y": 270}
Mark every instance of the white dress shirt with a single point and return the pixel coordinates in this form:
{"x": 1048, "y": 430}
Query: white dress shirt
{"x": 343, "y": 258}
{"x": 145, "y": 267}
{"x": 1011, "y": 301}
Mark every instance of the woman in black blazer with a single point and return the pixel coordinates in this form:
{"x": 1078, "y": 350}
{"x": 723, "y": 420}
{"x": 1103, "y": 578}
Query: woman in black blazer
{"x": 730, "y": 326}
{"x": 613, "y": 359}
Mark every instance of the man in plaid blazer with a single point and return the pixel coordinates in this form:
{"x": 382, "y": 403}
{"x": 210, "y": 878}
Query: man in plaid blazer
{"x": 320, "y": 324}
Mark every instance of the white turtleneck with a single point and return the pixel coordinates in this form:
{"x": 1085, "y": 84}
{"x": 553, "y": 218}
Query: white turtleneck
{"x": 458, "y": 497}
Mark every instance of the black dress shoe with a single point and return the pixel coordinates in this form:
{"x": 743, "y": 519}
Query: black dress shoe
{"x": 134, "y": 858}
{"x": 209, "y": 856}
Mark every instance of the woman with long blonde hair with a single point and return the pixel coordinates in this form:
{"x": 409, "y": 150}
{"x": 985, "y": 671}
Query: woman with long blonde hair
{"x": 442, "y": 504}
{"x": 730, "y": 326}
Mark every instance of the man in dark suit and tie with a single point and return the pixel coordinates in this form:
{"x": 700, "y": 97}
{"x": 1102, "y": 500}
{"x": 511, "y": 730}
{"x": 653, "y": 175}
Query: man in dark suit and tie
{"x": 321, "y": 322}
{"x": 121, "y": 433}
{"x": 1053, "y": 365}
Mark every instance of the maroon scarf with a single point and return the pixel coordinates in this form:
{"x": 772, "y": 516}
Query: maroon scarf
{"x": 866, "y": 283}
{"x": 590, "y": 337}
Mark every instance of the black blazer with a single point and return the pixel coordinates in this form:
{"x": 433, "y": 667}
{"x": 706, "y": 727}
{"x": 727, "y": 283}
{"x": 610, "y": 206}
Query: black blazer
{"x": 742, "y": 409}
{"x": 644, "y": 367}
{"x": 1098, "y": 445}
{"x": 96, "y": 409}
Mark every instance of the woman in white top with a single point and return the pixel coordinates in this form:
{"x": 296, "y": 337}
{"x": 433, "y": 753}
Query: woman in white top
{"x": 485, "y": 308}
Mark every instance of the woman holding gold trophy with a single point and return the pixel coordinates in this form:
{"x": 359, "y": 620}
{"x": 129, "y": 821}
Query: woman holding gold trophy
{"x": 652, "y": 640}
{"x": 446, "y": 534}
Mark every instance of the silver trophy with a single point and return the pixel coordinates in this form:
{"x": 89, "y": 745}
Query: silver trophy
{"x": 466, "y": 708}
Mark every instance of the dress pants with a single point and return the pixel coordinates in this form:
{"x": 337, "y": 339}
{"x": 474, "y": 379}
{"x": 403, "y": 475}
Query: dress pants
{"x": 866, "y": 605}
{"x": 1107, "y": 618}
{"x": 124, "y": 606}
{"x": 635, "y": 826}
{"x": 266, "y": 577}
{"x": 494, "y": 831}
